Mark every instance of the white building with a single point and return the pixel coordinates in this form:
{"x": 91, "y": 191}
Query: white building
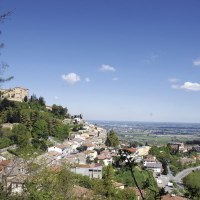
{"x": 93, "y": 170}
{"x": 58, "y": 148}
{"x": 155, "y": 167}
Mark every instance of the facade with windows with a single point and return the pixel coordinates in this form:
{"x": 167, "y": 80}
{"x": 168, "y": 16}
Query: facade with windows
{"x": 93, "y": 170}
{"x": 15, "y": 94}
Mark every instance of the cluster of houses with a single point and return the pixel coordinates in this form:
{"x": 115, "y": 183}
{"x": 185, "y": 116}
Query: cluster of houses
{"x": 141, "y": 155}
{"x": 85, "y": 153}
{"x": 13, "y": 174}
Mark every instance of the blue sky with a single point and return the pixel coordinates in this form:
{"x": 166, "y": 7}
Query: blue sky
{"x": 135, "y": 60}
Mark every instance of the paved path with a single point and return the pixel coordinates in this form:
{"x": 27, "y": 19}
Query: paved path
{"x": 178, "y": 178}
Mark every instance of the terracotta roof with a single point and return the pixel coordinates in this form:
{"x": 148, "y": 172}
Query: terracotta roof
{"x": 5, "y": 163}
{"x": 98, "y": 164}
{"x": 105, "y": 151}
{"x": 83, "y": 166}
{"x": 101, "y": 157}
{"x": 131, "y": 150}
{"x": 104, "y": 156}
{"x": 89, "y": 151}
{"x": 88, "y": 145}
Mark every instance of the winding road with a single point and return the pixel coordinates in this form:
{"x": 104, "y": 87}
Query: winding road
{"x": 178, "y": 178}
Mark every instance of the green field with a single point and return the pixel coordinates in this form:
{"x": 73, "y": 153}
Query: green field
{"x": 156, "y": 138}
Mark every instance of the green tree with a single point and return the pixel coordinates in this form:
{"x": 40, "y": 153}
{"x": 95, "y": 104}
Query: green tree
{"x": 127, "y": 194}
{"x": 25, "y": 99}
{"x": 5, "y": 142}
{"x": 40, "y": 129}
{"x": 107, "y": 181}
{"x": 20, "y": 135}
{"x": 33, "y": 98}
{"x": 59, "y": 111}
{"x": 5, "y": 104}
{"x": 12, "y": 115}
{"x": 41, "y": 101}
{"x": 192, "y": 184}
{"x": 25, "y": 118}
{"x": 50, "y": 184}
{"x": 34, "y": 116}
{"x": 61, "y": 131}
{"x": 39, "y": 144}
{"x": 112, "y": 139}
{"x": 130, "y": 163}
{"x": 164, "y": 165}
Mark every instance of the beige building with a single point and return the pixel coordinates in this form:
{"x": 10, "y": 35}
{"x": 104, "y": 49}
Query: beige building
{"x": 143, "y": 151}
{"x": 14, "y": 94}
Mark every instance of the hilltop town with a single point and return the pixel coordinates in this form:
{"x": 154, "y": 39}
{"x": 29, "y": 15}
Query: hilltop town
{"x": 36, "y": 138}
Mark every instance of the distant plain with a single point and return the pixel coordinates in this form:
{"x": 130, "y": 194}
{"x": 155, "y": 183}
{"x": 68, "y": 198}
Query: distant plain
{"x": 152, "y": 132}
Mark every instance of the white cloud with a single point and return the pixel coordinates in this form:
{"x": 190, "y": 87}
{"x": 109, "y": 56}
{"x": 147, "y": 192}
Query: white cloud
{"x": 115, "y": 79}
{"x": 107, "y": 68}
{"x": 56, "y": 97}
{"x": 71, "y": 78}
{"x": 189, "y": 86}
{"x": 173, "y": 80}
{"x": 196, "y": 62}
{"x": 87, "y": 80}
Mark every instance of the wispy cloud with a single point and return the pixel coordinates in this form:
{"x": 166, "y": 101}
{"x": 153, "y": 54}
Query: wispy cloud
{"x": 189, "y": 86}
{"x": 151, "y": 58}
{"x": 105, "y": 68}
{"x": 71, "y": 78}
{"x": 175, "y": 86}
{"x": 115, "y": 79}
{"x": 173, "y": 80}
{"x": 196, "y": 62}
{"x": 56, "y": 97}
{"x": 87, "y": 80}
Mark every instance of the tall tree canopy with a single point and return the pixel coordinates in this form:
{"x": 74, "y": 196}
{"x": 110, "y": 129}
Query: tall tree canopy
{"x": 192, "y": 184}
{"x": 59, "y": 111}
{"x": 112, "y": 139}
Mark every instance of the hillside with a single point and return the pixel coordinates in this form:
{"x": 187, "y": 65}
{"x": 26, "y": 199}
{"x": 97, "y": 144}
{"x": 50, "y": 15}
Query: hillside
{"x": 28, "y": 124}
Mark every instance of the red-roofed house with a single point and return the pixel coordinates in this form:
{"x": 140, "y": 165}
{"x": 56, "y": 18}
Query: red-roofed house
{"x": 133, "y": 152}
{"x": 105, "y": 158}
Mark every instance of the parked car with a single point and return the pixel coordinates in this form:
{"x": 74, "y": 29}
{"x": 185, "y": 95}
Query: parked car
{"x": 170, "y": 184}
